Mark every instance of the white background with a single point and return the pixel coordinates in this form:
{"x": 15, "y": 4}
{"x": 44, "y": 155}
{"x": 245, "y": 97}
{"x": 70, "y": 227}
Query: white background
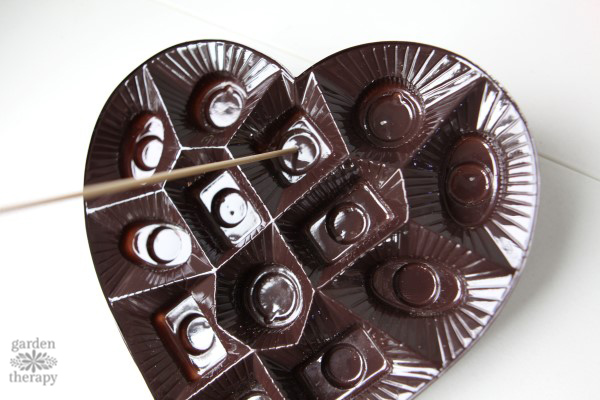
{"x": 62, "y": 59}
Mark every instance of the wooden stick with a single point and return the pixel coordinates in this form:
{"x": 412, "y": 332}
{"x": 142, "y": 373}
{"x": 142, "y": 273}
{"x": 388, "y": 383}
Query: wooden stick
{"x": 121, "y": 185}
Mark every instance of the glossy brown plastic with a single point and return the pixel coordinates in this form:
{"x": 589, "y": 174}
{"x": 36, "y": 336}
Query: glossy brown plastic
{"x": 362, "y": 266}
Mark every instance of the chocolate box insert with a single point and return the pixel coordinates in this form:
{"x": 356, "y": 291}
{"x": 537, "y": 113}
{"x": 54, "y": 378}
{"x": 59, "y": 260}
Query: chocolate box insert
{"x": 189, "y": 336}
{"x": 458, "y": 292}
{"x": 349, "y": 362}
{"x": 142, "y": 244}
{"x": 226, "y": 206}
{"x": 339, "y": 356}
{"x": 475, "y": 181}
{"x": 134, "y": 137}
{"x": 246, "y": 380}
{"x": 312, "y": 147}
{"x": 263, "y": 294}
{"x": 354, "y": 208}
{"x": 221, "y": 208}
{"x": 157, "y": 245}
{"x": 388, "y": 98}
{"x": 142, "y": 147}
{"x": 174, "y": 337}
{"x": 362, "y": 266}
{"x": 210, "y": 87}
{"x": 216, "y": 103}
{"x": 291, "y": 113}
{"x": 389, "y": 113}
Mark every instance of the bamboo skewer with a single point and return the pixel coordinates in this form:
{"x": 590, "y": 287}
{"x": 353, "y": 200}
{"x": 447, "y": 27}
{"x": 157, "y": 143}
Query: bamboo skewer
{"x": 120, "y": 185}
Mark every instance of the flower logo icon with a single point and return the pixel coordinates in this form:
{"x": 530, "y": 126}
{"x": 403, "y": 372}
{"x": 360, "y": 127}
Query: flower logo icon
{"x": 33, "y": 361}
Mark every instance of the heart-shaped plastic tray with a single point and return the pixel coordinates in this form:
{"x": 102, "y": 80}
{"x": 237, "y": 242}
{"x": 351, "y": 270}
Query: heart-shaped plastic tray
{"x": 362, "y": 266}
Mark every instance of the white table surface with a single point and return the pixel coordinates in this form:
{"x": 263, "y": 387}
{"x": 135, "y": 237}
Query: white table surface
{"x": 61, "y": 60}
